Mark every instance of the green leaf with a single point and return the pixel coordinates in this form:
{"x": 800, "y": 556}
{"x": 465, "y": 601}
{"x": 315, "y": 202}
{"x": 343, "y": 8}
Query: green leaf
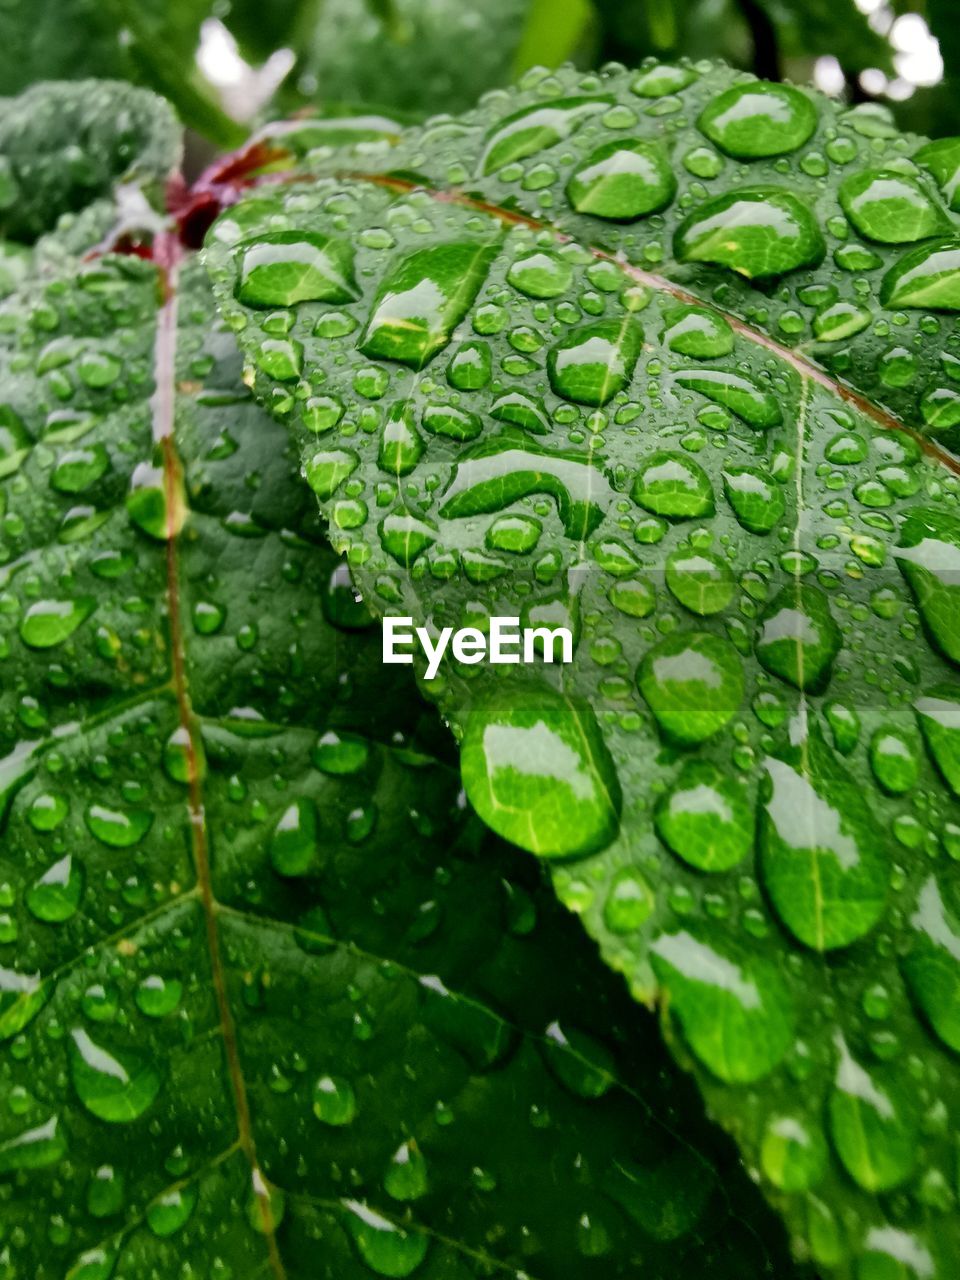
{"x": 272, "y": 1001}
{"x": 421, "y": 58}
{"x": 153, "y": 44}
{"x": 62, "y": 145}
{"x": 723, "y": 426}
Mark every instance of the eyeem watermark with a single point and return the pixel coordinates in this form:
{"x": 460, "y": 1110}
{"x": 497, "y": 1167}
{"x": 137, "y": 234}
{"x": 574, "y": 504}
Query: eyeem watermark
{"x": 504, "y": 642}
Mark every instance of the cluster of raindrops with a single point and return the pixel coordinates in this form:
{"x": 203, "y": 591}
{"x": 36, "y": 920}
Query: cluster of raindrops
{"x": 594, "y": 385}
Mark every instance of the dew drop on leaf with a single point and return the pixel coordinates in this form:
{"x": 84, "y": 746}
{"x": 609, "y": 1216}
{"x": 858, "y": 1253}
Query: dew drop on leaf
{"x": 537, "y": 770}
{"x": 759, "y": 119}
{"x": 114, "y": 1086}
{"x": 693, "y": 683}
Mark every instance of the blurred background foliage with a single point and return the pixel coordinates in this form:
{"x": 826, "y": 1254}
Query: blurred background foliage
{"x": 226, "y": 63}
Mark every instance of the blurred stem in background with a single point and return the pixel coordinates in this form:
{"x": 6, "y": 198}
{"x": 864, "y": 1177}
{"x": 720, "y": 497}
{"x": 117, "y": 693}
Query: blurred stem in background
{"x": 226, "y": 62}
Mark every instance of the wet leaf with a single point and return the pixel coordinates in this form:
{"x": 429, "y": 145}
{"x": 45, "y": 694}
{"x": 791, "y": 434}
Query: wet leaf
{"x": 728, "y": 415}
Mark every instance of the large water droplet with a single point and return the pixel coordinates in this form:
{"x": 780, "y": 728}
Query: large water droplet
{"x": 114, "y": 1086}
{"x": 928, "y": 556}
{"x": 673, "y": 485}
{"x": 735, "y": 1011}
{"x": 386, "y": 1248}
{"x": 758, "y": 232}
{"x": 757, "y": 500}
{"x": 938, "y": 714}
{"x": 798, "y": 638}
{"x": 38, "y": 1147}
{"x": 695, "y": 331}
{"x": 541, "y": 274}
{"x": 502, "y": 470}
{"x": 759, "y": 119}
{"x": 172, "y": 1210}
{"x": 285, "y": 267}
{"x": 401, "y": 447}
{"x": 294, "y": 844}
{"x": 623, "y": 180}
{"x": 700, "y": 580}
{"x": 942, "y": 158}
{"x": 537, "y": 770}
{"x": 422, "y": 299}
{"x": 871, "y": 1127}
{"x": 928, "y": 277}
{"x": 406, "y": 1177}
{"x": 932, "y": 965}
{"x": 890, "y": 207}
{"x": 534, "y": 128}
{"x": 593, "y": 362}
{"x": 735, "y": 391}
{"x": 822, "y": 856}
{"x": 706, "y": 818}
{"x": 793, "y": 1154}
{"x": 55, "y": 896}
{"x": 693, "y": 682}
{"x": 48, "y": 623}
{"x": 118, "y": 828}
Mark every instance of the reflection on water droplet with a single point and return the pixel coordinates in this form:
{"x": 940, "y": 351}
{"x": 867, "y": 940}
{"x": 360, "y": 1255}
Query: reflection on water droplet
{"x": 334, "y": 1101}
{"x": 798, "y": 637}
{"x": 535, "y": 128}
{"x": 890, "y": 207}
{"x": 285, "y": 267}
{"x": 55, "y": 896}
{"x": 759, "y": 119}
{"x": 793, "y": 1154}
{"x": 167, "y": 1214}
{"x": 927, "y": 277}
{"x": 706, "y": 818}
{"x": 623, "y": 180}
{"x": 871, "y": 1126}
{"x": 294, "y": 844}
{"x": 759, "y": 232}
{"x": 593, "y": 362}
{"x": 673, "y": 485}
{"x": 736, "y": 1013}
{"x": 114, "y": 1086}
{"x": 386, "y": 1248}
{"x": 693, "y": 682}
{"x": 38, "y": 1147}
{"x": 48, "y": 623}
{"x": 537, "y": 770}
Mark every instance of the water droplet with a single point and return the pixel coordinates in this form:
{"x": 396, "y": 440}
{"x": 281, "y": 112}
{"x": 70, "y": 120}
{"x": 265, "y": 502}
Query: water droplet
{"x": 401, "y": 447}
{"x": 736, "y": 1012}
{"x": 541, "y": 274}
{"x": 47, "y": 811}
{"x": 38, "y": 1147}
{"x": 693, "y": 682}
{"x": 701, "y": 581}
{"x": 422, "y": 299}
{"x": 157, "y": 996}
{"x": 661, "y": 80}
{"x": 406, "y": 1176}
{"x": 48, "y": 623}
{"x": 927, "y": 277}
{"x": 56, "y": 895}
{"x": 793, "y": 1154}
{"x": 705, "y": 818}
{"x": 938, "y": 714}
{"x": 932, "y": 965}
{"x": 798, "y": 637}
{"x": 470, "y": 366}
{"x": 697, "y": 332}
{"x": 822, "y": 858}
{"x": 673, "y": 485}
{"x": 294, "y": 845}
{"x": 22, "y": 996}
{"x": 890, "y": 208}
{"x": 78, "y": 469}
{"x": 118, "y": 828}
{"x": 593, "y": 362}
{"x": 522, "y": 411}
{"x": 533, "y": 129}
{"x": 386, "y": 1248}
{"x": 623, "y": 180}
{"x": 840, "y": 320}
{"x": 734, "y": 391}
{"x": 334, "y": 1101}
{"x": 286, "y": 267}
{"x": 538, "y": 772}
{"x": 578, "y": 1061}
{"x": 501, "y": 470}
{"x": 758, "y": 119}
{"x": 871, "y": 1127}
{"x": 117, "y": 1087}
{"x": 758, "y": 232}
{"x": 515, "y": 534}
{"x": 928, "y": 556}
{"x": 757, "y": 500}
{"x": 894, "y": 760}
{"x": 170, "y": 1211}
{"x": 629, "y": 902}
{"x": 942, "y": 158}
{"x": 327, "y": 469}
